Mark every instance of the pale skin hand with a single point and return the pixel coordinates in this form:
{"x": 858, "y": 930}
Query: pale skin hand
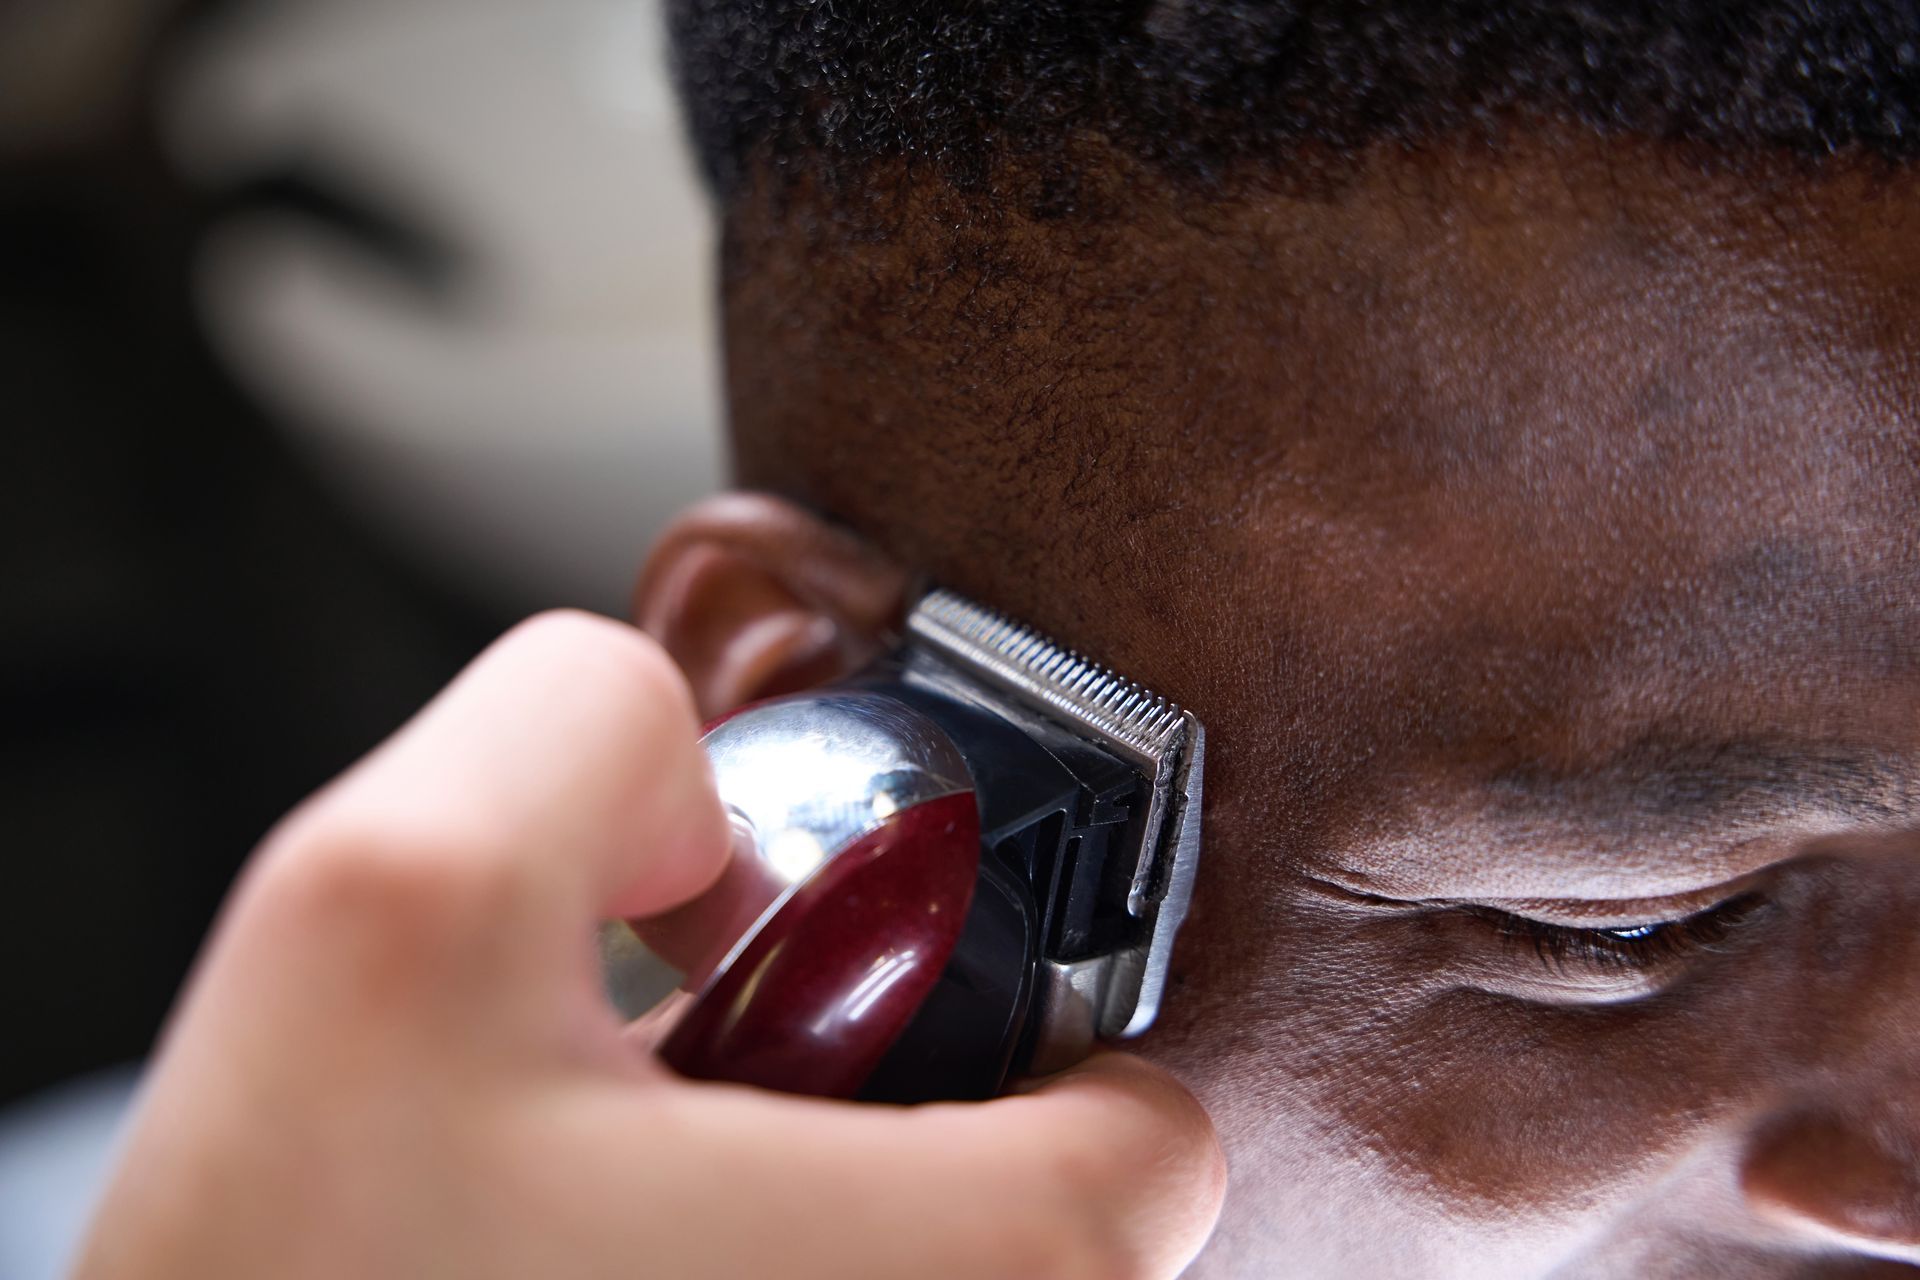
{"x": 395, "y": 1060}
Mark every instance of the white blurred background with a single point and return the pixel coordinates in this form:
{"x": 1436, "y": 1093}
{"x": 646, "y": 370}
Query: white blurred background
{"x": 528, "y": 430}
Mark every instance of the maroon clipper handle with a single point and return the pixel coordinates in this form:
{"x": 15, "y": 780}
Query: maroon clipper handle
{"x": 822, "y": 988}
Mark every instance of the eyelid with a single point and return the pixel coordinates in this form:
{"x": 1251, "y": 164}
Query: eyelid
{"x": 1572, "y": 913}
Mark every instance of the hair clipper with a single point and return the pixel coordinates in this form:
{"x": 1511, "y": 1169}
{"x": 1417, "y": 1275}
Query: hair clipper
{"x": 964, "y": 865}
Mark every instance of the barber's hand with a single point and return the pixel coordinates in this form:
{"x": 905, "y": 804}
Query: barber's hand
{"x": 395, "y": 1060}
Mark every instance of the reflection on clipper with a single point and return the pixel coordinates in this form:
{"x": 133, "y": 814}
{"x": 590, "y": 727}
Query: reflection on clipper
{"x": 867, "y": 992}
{"x": 793, "y": 853}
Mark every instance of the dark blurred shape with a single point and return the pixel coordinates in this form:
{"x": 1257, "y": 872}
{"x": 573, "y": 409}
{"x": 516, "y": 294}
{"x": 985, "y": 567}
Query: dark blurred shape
{"x": 331, "y": 202}
{"x": 193, "y": 635}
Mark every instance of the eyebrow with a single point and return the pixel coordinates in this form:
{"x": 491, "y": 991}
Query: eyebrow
{"x": 1662, "y": 781}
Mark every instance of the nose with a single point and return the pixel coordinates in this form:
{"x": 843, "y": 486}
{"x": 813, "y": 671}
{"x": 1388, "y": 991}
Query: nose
{"x": 1848, "y": 1175}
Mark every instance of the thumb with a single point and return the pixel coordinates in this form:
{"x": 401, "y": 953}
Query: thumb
{"x": 1109, "y": 1170}
{"x": 1166, "y": 1170}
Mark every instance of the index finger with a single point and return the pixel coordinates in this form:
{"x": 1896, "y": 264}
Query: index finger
{"x": 564, "y": 760}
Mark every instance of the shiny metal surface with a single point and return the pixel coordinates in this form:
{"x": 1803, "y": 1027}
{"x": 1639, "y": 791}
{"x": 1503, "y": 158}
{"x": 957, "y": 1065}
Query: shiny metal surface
{"x": 1126, "y": 717}
{"x": 1066, "y": 1004}
{"x": 1175, "y": 863}
{"x": 805, "y": 778}
{"x": 1016, "y": 671}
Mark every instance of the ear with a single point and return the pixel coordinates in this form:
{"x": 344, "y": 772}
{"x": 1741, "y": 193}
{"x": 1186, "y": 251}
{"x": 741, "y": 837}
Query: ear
{"x": 754, "y": 596}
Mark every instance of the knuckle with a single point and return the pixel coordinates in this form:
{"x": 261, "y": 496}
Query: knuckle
{"x": 1068, "y": 1224}
{"x": 1183, "y": 1152}
{"x": 643, "y": 707}
{"x": 1134, "y": 1198}
{"x": 398, "y": 894}
{"x": 1070, "y": 1244}
{"x": 1167, "y": 1136}
{"x": 625, "y": 661}
{"x": 1212, "y": 1181}
{"x": 1101, "y": 1256}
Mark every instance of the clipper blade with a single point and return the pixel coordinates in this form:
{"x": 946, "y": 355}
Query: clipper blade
{"x": 1121, "y": 992}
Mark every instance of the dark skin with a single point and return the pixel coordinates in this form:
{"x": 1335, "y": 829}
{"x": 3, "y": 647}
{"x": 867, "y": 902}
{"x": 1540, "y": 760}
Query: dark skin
{"x": 1532, "y": 528}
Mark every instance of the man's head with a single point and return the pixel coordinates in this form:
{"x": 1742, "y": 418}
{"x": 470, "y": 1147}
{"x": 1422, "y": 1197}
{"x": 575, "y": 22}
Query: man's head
{"x": 1501, "y": 424}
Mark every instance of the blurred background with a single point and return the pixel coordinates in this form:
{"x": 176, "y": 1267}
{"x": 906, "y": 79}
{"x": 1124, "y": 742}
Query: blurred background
{"x": 334, "y": 336}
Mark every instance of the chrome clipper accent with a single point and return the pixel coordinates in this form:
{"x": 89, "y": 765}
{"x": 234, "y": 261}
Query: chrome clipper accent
{"x": 1118, "y": 994}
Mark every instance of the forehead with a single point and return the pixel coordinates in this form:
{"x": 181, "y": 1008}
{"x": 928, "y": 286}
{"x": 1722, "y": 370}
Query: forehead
{"x": 1585, "y": 393}
{"x": 1608, "y": 326}
{"x": 1631, "y": 520}
{"x": 1481, "y": 475}
{"x": 1558, "y": 314}
{"x": 1581, "y": 480}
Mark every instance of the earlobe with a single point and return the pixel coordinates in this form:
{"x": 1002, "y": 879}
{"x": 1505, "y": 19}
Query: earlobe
{"x": 755, "y": 597}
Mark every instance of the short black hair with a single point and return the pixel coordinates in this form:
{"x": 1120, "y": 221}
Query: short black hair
{"x": 827, "y": 88}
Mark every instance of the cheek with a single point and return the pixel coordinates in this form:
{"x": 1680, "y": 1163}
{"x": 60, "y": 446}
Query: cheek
{"x": 1354, "y": 1082}
{"x": 1500, "y": 1110}
{"x": 1379, "y": 1126}
{"x": 1495, "y": 1106}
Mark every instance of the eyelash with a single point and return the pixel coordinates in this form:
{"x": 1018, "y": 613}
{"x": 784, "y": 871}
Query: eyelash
{"x": 1559, "y": 947}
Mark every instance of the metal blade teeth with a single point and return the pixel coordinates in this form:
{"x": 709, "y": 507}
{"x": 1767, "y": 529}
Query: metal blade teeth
{"x": 1109, "y": 704}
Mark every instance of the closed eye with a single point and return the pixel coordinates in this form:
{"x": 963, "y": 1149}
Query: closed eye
{"x": 1627, "y": 947}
